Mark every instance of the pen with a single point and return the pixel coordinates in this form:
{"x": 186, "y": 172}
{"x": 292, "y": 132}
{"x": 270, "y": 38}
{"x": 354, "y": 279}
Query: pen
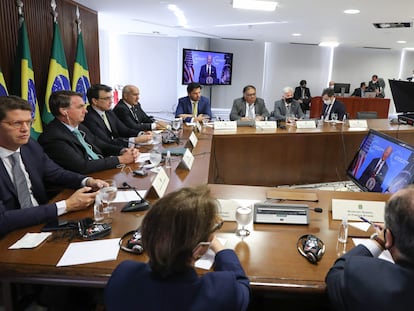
{"x": 370, "y": 222}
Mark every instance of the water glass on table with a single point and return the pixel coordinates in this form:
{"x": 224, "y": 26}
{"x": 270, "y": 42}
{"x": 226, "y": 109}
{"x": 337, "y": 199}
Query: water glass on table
{"x": 244, "y": 215}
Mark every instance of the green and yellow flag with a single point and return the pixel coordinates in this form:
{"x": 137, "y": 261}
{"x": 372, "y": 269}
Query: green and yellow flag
{"x": 23, "y": 82}
{"x": 58, "y": 78}
{"x": 80, "y": 80}
{"x": 3, "y": 88}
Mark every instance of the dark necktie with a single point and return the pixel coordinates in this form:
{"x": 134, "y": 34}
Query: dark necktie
{"x": 85, "y": 145}
{"x": 20, "y": 182}
{"x": 134, "y": 114}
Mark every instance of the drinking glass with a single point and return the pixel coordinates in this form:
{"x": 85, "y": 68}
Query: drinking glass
{"x": 176, "y": 124}
{"x": 98, "y": 209}
{"x": 157, "y": 138}
{"x": 244, "y": 215}
{"x": 155, "y": 157}
{"x": 108, "y": 194}
{"x": 334, "y": 117}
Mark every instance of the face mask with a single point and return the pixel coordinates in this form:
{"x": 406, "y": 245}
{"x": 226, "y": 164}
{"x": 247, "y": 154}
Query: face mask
{"x": 289, "y": 100}
{"x": 327, "y": 101}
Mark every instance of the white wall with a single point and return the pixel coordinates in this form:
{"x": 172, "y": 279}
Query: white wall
{"x": 154, "y": 65}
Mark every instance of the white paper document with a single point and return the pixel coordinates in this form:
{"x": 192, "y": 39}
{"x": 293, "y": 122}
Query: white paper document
{"x": 90, "y": 251}
{"x": 128, "y": 195}
{"x": 31, "y": 240}
{"x": 143, "y": 157}
{"x": 364, "y": 226}
{"x": 206, "y": 262}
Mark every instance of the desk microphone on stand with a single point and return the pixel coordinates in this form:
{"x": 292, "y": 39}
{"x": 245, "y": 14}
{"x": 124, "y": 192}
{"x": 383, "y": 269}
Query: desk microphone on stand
{"x": 136, "y": 205}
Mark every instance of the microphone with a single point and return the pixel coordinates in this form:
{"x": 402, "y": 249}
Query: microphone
{"x": 136, "y": 205}
{"x": 316, "y": 209}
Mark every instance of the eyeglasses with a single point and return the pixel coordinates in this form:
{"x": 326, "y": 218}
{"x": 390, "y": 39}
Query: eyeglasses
{"x": 217, "y": 226}
{"x": 251, "y": 94}
{"x": 18, "y": 124}
{"x": 106, "y": 98}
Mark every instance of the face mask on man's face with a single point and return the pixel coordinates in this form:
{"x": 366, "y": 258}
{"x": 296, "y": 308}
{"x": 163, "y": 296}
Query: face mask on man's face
{"x": 289, "y": 100}
{"x": 327, "y": 101}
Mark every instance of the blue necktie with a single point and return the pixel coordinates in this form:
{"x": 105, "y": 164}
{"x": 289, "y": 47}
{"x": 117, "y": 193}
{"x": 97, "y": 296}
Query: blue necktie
{"x": 20, "y": 182}
{"x": 92, "y": 155}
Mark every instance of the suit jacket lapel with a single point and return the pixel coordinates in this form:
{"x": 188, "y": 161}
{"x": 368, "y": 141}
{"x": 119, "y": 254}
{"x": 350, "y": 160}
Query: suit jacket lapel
{"x": 7, "y": 181}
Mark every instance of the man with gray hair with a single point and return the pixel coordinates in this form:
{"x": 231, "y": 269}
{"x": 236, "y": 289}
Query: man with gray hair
{"x": 360, "y": 281}
{"x": 287, "y": 108}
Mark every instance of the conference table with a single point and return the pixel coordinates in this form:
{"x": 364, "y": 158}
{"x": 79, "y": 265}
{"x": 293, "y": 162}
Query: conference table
{"x": 269, "y": 254}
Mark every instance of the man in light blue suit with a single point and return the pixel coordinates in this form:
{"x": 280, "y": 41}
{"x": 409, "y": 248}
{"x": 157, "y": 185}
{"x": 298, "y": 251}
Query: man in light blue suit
{"x": 194, "y": 107}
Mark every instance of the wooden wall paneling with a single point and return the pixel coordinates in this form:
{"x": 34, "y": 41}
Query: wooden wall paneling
{"x": 39, "y": 23}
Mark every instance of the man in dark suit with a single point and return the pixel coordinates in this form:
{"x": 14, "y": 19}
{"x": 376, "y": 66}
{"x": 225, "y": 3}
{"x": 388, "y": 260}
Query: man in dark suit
{"x": 360, "y": 92}
{"x": 60, "y": 142}
{"x": 18, "y": 151}
{"x": 359, "y": 281}
{"x": 129, "y": 111}
{"x": 303, "y": 96}
{"x": 208, "y": 73}
{"x": 194, "y": 107}
{"x": 104, "y": 122}
{"x": 249, "y": 107}
{"x": 331, "y": 105}
{"x": 377, "y": 85}
{"x": 374, "y": 174}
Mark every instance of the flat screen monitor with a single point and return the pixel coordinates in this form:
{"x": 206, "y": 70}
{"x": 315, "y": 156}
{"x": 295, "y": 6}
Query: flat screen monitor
{"x": 382, "y": 164}
{"x": 403, "y": 95}
{"x": 207, "y": 67}
{"x": 340, "y": 88}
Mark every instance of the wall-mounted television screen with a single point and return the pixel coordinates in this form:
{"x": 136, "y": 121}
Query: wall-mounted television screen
{"x": 382, "y": 164}
{"x": 340, "y": 88}
{"x": 207, "y": 67}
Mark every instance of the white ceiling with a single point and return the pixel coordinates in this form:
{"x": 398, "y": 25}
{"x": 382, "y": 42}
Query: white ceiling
{"x": 315, "y": 20}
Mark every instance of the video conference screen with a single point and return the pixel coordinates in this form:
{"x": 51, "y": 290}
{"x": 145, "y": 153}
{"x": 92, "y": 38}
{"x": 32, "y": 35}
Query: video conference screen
{"x": 382, "y": 164}
{"x": 207, "y": 67}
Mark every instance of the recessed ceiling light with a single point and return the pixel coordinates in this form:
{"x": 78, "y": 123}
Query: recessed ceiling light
{"x": 296, "y": 34}
{"x": 401, "y": 41}
{"x": 351, "y": 11}
{"x": 333, "y": 44}
{"x": 255, "y": 5}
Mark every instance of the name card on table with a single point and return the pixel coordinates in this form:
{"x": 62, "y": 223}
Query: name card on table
{"x": 193, "y": 139}
{"x": 187, "y": 160}
{"x": 266, "y": 125}
{"x": 352, "y": 209}
{"x": 160, "y": 183}
{"x": 305, "y": 124}
{"x": 358, "y": 123}
{"x": 225, "y": 125}
{"x": 198, "y": 127}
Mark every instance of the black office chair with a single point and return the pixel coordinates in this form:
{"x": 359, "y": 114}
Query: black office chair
{"x": 367, "y": 115}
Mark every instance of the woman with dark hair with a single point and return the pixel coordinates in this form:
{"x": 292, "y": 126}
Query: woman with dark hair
{"x": 177, "y": 231}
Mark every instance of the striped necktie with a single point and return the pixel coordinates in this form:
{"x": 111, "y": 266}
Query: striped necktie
{"x": 20, "y": 182}
{"x": 92, "y": 155}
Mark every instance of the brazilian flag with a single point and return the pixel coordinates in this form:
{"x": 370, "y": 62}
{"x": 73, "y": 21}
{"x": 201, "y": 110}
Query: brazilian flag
{"x": 3, "y": 88}
{"x": 24, "y": 82}
{"x": 58, "y": 78}
{"x": 80, "y": 79}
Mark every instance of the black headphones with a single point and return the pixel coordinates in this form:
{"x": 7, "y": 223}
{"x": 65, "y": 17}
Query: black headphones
{"x": 134, "y": 244}
{"x": 311, "y": 247}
